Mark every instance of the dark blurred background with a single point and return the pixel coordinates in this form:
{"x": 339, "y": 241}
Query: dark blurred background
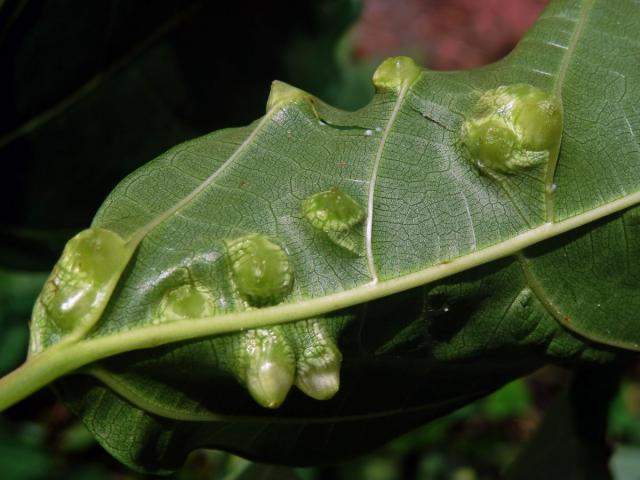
{"x": 91, "y": 90}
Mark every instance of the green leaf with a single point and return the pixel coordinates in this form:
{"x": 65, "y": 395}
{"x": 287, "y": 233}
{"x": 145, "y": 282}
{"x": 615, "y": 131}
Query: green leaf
{"x": 624, "y": 417}
{"x": 465, "y": 276}
{"x": 510, "y": 401}
{"x": 22, "y": 461}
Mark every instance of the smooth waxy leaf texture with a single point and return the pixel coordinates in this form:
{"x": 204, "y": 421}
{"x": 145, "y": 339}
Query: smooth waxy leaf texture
{"x": 392, "y": 263}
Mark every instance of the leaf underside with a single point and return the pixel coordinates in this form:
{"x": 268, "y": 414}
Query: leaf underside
{"x": 407, "y": 357}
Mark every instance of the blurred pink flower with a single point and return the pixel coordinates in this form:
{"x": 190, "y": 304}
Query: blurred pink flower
{"x": 444, "y": 34}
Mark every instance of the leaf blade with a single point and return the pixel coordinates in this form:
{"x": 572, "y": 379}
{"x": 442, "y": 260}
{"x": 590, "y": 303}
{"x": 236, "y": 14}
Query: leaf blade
{"x": 439, "y": 221}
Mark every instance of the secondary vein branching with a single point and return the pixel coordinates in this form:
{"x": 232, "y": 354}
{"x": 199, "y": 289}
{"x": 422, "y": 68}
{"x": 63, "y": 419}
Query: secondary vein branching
{"x": 372, "y": 183}
{"x": 139, "y": 234}
{"x": 558, "y": 85}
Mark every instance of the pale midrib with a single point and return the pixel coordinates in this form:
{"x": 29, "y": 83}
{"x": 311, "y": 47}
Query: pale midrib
{"x": 372, "y": 183}
{"x": 139, "y": 234}
{"x": 141, "y": 401}
{"x": 65, "y": 357}
{"x": 154, "y": 335}
{"x": 558, "y": 85}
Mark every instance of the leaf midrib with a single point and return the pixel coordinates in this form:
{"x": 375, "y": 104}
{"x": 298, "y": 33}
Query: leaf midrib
{"x": 64, "y": 358}
{"x": 287, "y": 312}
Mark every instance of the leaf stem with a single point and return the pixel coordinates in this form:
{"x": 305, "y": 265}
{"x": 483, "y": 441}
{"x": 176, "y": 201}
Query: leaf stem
{"x": 70, "y": 355}
{"x": 36, "y": 373}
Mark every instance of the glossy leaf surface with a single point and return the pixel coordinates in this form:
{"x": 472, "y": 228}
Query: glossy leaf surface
{"x": 465, "y": 280}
